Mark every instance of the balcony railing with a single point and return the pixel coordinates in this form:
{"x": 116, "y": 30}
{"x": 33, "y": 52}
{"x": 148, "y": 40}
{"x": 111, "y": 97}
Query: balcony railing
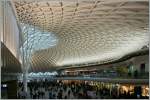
{"x": 126, "y": 76}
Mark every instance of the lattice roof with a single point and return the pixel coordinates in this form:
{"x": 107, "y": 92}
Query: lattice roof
{"x": 88, "y": 31}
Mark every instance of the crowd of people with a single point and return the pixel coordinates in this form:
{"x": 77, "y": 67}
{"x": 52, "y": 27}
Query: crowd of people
{"x": 59, "y": 90}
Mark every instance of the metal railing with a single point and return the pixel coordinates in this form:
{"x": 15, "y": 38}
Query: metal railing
{"x": 126, "y": 76}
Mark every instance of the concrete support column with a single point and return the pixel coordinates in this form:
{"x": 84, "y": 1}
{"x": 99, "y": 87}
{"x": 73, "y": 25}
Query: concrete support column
{"x": 25, "y": 78}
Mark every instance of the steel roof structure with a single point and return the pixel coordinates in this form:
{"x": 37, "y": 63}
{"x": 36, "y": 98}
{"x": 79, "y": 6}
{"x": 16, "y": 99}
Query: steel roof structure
{"x": 59, "y": 33}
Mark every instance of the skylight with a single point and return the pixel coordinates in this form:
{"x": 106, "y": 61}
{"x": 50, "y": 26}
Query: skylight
{"x": 36, "y": 39}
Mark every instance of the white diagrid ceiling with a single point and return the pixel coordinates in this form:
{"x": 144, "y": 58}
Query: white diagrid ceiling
{"x": 84, "y": 31}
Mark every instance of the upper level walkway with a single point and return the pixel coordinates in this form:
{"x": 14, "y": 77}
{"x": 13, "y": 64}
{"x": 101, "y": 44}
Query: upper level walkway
{"x": 100, "y": 79}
